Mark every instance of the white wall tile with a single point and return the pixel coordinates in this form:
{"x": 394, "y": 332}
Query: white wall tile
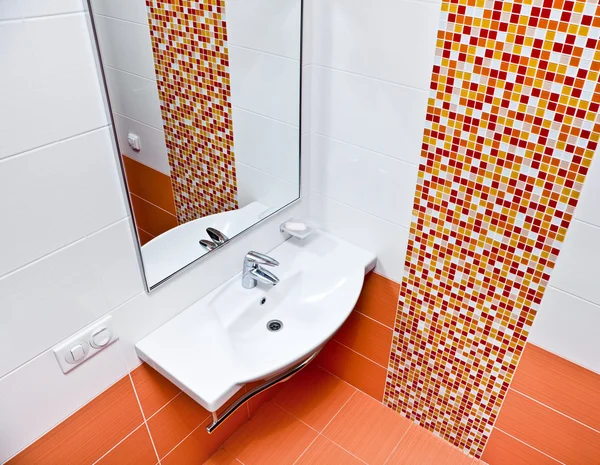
{"x": 265, "y": 84}
{"x": 153, "y": 151}
{"x": 257, "y": 186}
{"x": 112, "y": 254}
{"x": 387, "y": 240}
{"x": 33, "y": 8}
{"x": 588, "y": 208}
{"x": 125, "y": 46}
{"x": 39, "y": 395}
{"x": 56, "y": 195}
{"x": 36, "y": 81}
{"x": 305, "y": 164}
{"x": 373, "y": 114}
{"x": 54, "y": 297}
{"x": 10, "y": 9}
{"x": 129, "y": 10}
{"x": 266, "y": 144}
{"x": 392, "y": 40}
{"x": 578, "y": 267}
{"x": 371, "y": 182}
{"x": 134, "y": 97}
{"x": 568, "y": 326}
{"x": 271, "y": 26}
{"x": 45, "y": 302}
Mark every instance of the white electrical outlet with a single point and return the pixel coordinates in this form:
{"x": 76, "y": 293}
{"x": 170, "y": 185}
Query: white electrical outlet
{"x": 85, "y": 344}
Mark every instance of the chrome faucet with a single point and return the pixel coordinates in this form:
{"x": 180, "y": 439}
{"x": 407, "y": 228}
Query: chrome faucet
{"x": 216, "y": 236}
{"x": 218, "y": 239}
{"x": 253, "y": 270}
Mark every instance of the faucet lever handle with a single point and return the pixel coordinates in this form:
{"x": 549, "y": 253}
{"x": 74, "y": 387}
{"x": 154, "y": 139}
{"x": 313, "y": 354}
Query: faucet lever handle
{"x": 260, "y": 259}
{"x": 216, "y": 236}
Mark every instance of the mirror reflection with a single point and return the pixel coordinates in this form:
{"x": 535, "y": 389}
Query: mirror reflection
{"x": 205, "y": 98}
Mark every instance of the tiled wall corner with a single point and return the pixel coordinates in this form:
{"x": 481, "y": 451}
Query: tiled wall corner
{"x": 359, "y": 351}
{"x": 550, "y": 414}
{"x": 370, "y": 67}
{"x": 152, "y": 199}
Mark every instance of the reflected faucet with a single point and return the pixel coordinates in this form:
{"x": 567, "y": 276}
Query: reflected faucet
{"x": 253, "y": 270}
{"x": 216, "y": 236}
{"x": 208, "y": 245}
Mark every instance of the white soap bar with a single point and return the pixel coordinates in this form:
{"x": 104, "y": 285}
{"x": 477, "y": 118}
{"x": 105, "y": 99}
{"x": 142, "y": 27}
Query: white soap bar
{"x": 292, "y": 226}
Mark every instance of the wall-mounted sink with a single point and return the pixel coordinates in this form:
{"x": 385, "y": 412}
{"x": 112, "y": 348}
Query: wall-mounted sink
{"x": 236, "y": 335}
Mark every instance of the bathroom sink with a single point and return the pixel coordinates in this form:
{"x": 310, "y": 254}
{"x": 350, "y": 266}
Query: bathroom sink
{"x": 178, "y": 247}
{"x": 235, "y": 335}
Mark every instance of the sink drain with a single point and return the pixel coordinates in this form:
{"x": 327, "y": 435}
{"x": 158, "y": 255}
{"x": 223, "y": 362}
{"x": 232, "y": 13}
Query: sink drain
{"x": 274, "y": 325}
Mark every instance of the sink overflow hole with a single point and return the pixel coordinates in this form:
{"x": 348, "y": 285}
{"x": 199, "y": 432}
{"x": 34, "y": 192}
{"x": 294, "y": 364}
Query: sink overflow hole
{"x": 263, "y": 300}
{"x": 274, "y": 325}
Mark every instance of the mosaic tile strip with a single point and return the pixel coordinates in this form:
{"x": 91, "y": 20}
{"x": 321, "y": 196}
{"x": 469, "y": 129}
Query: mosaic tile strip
{"x": 189, "y": 43}
{"x": 511, "y": 129}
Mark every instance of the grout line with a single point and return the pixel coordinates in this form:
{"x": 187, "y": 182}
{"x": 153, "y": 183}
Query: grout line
{"x": 161, "y": 129}
{"x": 279, "y": 178}
{"x": 528, "y": 445}
{"x": 337, "y": 413}
{"x": 553, "y": 409}
{"x": 252, "y": 112}
{"x": 122, "y": 20}
{"x": 406, "y": 228}
{"x": 263, "y": 52}
{"x": 144, "y": 231}
{"x": 154, "y": 205}
{"x": 117, "y": 444}
{"x": 366, "y": 149}
{"x": 587, "y": 223}
{"x": 308, "y": 447}
{"x": 169, "y": 401}
{"x": 373, "y": 319}
{"x": 364, "y": 76}
{"x": 54, "y": 142}
{"x": 131, "y": 74}
{"x": 394, "y": 449}
{"x": 68, "y": 415}
{"x": 190, "y": 433}
{"x": 144, "y": 417}
{"x": 550, "y": 286}
{"x": 363, "y": 356}
{"x": 57, "y": 251}
{"x": 325, "y": 427}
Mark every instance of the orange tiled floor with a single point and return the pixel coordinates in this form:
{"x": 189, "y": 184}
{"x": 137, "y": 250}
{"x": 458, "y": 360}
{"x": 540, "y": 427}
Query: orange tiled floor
{"x": 318, "y": 419}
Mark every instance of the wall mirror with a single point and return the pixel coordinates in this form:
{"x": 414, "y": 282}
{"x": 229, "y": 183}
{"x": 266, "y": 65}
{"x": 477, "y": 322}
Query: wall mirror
{"x": 205, "y": 100}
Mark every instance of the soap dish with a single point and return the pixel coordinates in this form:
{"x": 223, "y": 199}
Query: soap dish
{"x": 296, "y": 228}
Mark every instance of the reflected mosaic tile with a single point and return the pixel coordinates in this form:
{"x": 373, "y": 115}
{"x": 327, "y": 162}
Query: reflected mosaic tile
{"x": 189, "y": 43}
{"x": 512, "y": 125}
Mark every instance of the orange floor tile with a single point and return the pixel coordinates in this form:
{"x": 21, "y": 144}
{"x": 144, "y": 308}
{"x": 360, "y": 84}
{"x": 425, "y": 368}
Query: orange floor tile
{"x": 318, "y": 419}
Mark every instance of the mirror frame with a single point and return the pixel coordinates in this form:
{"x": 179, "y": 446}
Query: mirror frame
{"x": 108, "y": 105}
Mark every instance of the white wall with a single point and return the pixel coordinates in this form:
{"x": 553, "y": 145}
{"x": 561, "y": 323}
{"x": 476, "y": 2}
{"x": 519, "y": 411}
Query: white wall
{"x": 126, "y": 47}
{"x": 568, "y": 322}
{"x": 68, "y": 256}
{"x": 264, "y": 59}
{"x": 370, "y": 73}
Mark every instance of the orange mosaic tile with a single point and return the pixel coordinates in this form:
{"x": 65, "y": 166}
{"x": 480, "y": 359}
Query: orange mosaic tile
{"x": 511, "y": 129}
{"x": 189, "y": 43}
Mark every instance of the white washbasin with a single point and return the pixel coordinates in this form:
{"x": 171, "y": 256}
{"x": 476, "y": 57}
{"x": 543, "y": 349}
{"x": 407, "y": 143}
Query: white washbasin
{"x": 178, "y": 247}
{"x": 221, "y": 342}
